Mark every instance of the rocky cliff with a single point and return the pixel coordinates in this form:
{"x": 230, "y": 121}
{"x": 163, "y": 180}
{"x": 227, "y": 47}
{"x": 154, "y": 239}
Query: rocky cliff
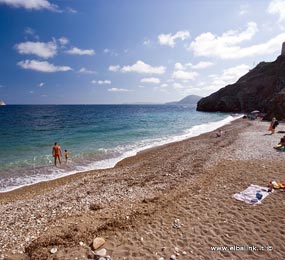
{"x": 262, "y": 88}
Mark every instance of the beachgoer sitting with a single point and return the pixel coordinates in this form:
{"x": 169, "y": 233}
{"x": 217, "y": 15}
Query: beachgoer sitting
{"x": 282, "y": 141}
{"x": 281, "y": 144}
{"x": 274, "y": 123}
{"x": 219, "y": 133}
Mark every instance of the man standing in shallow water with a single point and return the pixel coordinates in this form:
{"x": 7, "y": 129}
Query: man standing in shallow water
{"x": 56, "y": 152}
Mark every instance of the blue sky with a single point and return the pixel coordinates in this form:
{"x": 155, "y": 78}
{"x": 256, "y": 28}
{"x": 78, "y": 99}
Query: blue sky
{"x": 126, "y": 51}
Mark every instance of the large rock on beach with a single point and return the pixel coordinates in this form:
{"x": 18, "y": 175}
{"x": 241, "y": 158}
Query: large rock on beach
{"x": 262, "y": 88}
{"x": 98, "y": 242}
{"x": 101, "y": 252}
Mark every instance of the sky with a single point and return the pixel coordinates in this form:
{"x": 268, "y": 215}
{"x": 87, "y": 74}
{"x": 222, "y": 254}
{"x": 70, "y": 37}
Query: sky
{"x": 126, "y": 51}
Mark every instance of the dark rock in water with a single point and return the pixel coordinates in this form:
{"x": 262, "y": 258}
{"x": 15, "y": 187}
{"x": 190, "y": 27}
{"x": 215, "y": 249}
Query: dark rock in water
{"x": 262, "y": 88}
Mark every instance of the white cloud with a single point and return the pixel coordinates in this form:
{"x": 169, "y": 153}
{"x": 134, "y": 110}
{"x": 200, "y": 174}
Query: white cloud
{"x": 31, "y": 4}
{"x": 170, "y": 40}
{"x": 268, "y": 47}
{"x": 77, "y": 51}
{"x": 179, "y": 66}
{"x": 164, "y": 85}
{"x": 114, "y": 68}
{"x": 225, "y": 46}
{"x": 63, "y": 40}
{"x": 42, "y": 66}
{"x": 202, "y": 65}
{"x": 277, "y": 7}
{"x": 101, "y": 82}
{"x": 110, "y": 52}
{"x": 71, "y": 10}
{"x": 243, "y": 9}
{"x": 118, "y": 90}
{"x": 31, "y": 32}
{"x": 41, "y": 84}
{"x": 198, "y": 66}
{"x": 228, "y": 76}
{"x": 231, "y": 75}
{"x": 41, "y": 49}
{"x": 150, "y": 80}
{"x": 184, "y": 75}
{"x": 86, "y": 71}
{"x": 147, "y": 42}
{"x": 108, "y": 82}
{"x": 161, "y": 89}
{"x": 141, "y": 67}
{"x": 178, "y": 86}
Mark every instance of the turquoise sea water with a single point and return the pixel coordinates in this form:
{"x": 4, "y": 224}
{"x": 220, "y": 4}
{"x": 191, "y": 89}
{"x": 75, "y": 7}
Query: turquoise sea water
{"x": 97, "y": 136}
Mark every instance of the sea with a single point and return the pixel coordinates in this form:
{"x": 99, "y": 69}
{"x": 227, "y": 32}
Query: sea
{"x": 96, "y": 136}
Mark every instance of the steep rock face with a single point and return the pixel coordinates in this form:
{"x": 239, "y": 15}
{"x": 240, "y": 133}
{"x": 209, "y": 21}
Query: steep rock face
{"x": 262, "y": 88}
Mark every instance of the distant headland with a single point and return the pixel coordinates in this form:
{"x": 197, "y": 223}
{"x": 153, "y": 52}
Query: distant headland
{"x": 262, "y": 88}
{"x": 188, "y": 101}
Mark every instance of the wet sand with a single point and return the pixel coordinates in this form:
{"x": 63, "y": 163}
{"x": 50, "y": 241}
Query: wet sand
{"x": 170, "y": 200}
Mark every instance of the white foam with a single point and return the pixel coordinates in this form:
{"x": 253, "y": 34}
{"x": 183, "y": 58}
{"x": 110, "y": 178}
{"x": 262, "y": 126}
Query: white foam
{"x": 124, "y": 151}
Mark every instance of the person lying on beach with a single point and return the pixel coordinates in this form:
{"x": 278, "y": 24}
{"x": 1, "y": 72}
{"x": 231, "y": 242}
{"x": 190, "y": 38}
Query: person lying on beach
{"x": 56, "y": 153}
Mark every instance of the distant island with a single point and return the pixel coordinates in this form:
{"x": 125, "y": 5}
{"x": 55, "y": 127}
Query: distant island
{"x": 187, "y": 101}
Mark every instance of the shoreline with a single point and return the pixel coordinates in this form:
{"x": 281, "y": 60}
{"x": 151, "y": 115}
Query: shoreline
{"x": 192, "y": 180}
{"x": 212, "y": 125}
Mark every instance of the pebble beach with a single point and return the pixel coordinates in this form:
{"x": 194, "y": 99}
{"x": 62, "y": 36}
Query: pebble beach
{"x": 170, "y": 202}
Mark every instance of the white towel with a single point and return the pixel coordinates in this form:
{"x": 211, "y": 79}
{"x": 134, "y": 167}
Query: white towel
{"x": 249, "y": 194}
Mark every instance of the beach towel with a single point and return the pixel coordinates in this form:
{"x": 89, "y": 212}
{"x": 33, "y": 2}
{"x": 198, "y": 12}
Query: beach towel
{"x": 254, "y": 194}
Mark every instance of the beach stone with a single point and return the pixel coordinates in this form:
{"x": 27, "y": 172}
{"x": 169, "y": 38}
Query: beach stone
{"x": 16, "y": 257}
{"x": 101, "y": 252}
{"x": 177, "y": 223}
{"x": 104, "y": 258}
{"x": 173, "y": 257}
{"x": 54, "y": 250}
{"x": 98, "y": 242}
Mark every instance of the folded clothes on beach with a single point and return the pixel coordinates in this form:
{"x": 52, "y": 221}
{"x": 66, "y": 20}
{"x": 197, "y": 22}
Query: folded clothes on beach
{"x": 254, "y": 194}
